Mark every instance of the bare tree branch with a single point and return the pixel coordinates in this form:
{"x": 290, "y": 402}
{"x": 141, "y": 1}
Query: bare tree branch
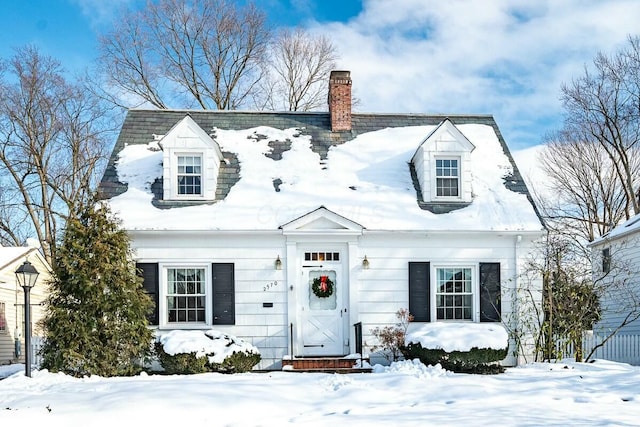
{"x": 300, "y": 66}
{"x": 602, "y": 106}
{"x": 52, "y": 148}
{"x": 185, "y": 53}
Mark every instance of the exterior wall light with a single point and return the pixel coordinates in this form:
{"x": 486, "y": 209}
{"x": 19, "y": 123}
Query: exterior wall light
{"x": 365, "y": 263}
{"x": 278, "y": 263}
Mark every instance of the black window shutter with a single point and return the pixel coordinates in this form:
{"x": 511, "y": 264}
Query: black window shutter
{"x": 490, "y": 309}
{"x": 419, "y": 293}
{"x": 223, "y": 295}
{"x": 149, "y": 273}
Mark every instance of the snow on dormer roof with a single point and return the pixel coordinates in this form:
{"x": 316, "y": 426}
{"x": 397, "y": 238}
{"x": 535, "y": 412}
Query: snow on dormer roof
{"x": 363, "y": 176}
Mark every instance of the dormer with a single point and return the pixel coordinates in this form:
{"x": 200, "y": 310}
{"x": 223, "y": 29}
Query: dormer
{"x": 190, "y": 163}
{"x": 443, "y": 166}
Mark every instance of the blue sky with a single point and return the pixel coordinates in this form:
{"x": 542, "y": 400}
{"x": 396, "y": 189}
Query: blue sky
{"x": 502, "y": 57}
{"x": 68, "y": 29}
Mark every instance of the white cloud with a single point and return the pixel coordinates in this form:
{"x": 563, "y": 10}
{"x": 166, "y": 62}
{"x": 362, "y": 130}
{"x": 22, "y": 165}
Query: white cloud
{"x": 502, "y": 57}
{"x": 101, "y": 12}
{"x": 506, "y": 58}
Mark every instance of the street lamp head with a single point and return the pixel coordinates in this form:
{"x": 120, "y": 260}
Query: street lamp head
{"x": 27, "y": 275}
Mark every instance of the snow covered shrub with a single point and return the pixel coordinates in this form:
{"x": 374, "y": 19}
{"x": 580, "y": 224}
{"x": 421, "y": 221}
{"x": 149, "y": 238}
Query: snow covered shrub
{"x": 181, "y": 363}
{"x": 459, "y": 347}
{"x": 474, "y": 361}
{"x": 193, "y": 352}
{"x": 237, "y": 362}
{"x": 391, "y": 338}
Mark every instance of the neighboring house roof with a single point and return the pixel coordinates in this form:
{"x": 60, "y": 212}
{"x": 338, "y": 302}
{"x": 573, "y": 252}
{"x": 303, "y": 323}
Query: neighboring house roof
{"x": 9, "y": 255}
{"x": 631, "y": 226}
{"x": 279, "y": 166}
{"x": 13, "y": 256}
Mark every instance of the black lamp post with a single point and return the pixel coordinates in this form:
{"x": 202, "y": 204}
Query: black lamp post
{"x": 27, "y": 275}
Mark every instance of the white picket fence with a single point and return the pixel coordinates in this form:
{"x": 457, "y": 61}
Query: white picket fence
{"x": 619, "y": 348}
{"x": 36, "y": 345}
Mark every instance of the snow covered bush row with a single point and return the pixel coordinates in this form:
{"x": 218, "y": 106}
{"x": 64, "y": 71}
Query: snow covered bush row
{"x": 194, "y": 352}
{"x": 466, "y": 347}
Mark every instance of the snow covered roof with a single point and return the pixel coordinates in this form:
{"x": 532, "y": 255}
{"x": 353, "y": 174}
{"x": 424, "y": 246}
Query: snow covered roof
{"x": 280, "y": 166}
{"x": 630, "y": 226}
{"x": 9, "y": 254}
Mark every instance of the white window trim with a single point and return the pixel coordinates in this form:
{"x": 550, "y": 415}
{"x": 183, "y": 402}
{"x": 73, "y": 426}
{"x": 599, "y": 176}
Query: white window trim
{"x": 174, "y": 175}
{"x": 435, "y": 177}
{"x": 475, "y": 289}
{"x": 162, "y": 298}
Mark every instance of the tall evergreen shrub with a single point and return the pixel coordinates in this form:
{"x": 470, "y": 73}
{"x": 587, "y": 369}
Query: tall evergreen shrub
{"x": 95, "y": 322}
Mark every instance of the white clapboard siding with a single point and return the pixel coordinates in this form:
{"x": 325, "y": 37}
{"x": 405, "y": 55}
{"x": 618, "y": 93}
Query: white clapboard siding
{"x": 265, "y": 298}
{"x": 623, "y": 282}
{"x": 13, "y": 298}
{"x": 382, "y": 289}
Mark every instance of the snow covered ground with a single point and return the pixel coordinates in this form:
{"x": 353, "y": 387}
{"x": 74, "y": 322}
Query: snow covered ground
{"x": 405, "y": 394}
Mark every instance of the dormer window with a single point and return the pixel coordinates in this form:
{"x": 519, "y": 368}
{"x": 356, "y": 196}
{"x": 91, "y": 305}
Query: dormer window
{"x": 189, "y": 175}
{"x": 447, "y": 177}
{"x": 442, "y": 165}
{"x": 190, "y": 163}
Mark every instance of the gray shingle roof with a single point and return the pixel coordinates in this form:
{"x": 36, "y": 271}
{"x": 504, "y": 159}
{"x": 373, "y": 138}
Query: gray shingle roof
{"x": 140, "y": 126}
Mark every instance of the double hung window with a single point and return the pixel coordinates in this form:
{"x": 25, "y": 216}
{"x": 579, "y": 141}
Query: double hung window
{"x": 454, "y": 294}
{"x": 186, "y": 295}
{"x": 447, "y": 178}
{"x": 189, "y": 175}
{"x": 190, "y": 295}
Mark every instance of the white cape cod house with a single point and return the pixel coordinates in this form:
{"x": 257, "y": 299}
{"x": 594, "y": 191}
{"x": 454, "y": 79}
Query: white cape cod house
{"x": 246, "y": 221}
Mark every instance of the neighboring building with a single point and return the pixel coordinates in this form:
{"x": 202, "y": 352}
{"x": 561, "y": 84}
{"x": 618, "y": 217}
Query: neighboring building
{"x": 616, "y": 270}
{"x": 12, "y": 348}
{"x": 246, "y": 221}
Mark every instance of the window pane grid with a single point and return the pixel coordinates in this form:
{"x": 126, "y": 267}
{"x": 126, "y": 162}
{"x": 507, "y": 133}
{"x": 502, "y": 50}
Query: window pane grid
{"x": 189, "y": 185}
{"x": 186, "y": 297}
{"x": 454, "y": 298}
{"x": 189, "y": 174}
{"x": 447, "y": 177}
{"x": 189, "y": 164}
{"x": 322, "y": 256}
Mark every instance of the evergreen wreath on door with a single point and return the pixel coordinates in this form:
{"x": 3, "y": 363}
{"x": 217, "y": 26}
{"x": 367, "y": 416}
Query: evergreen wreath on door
{"x": 322, "y": 287}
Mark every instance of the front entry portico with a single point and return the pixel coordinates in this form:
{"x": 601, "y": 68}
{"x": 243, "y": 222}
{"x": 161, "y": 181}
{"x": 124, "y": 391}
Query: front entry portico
{"x": 320, "y": 248}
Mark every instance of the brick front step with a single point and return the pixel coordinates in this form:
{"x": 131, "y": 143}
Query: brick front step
{"x": 325, "y": 364}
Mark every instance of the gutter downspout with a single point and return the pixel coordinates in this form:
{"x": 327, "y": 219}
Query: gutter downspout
{"x": 516, "y": 303}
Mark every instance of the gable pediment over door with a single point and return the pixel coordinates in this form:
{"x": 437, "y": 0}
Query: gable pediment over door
{"x": 322, "y": 221}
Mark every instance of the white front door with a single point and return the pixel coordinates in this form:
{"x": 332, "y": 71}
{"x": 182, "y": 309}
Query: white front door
{"x": 322, "y": 312}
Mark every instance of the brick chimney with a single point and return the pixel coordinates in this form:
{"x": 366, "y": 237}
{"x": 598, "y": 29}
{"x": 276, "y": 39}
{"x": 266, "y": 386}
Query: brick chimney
{"x": 340, "y": 100}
